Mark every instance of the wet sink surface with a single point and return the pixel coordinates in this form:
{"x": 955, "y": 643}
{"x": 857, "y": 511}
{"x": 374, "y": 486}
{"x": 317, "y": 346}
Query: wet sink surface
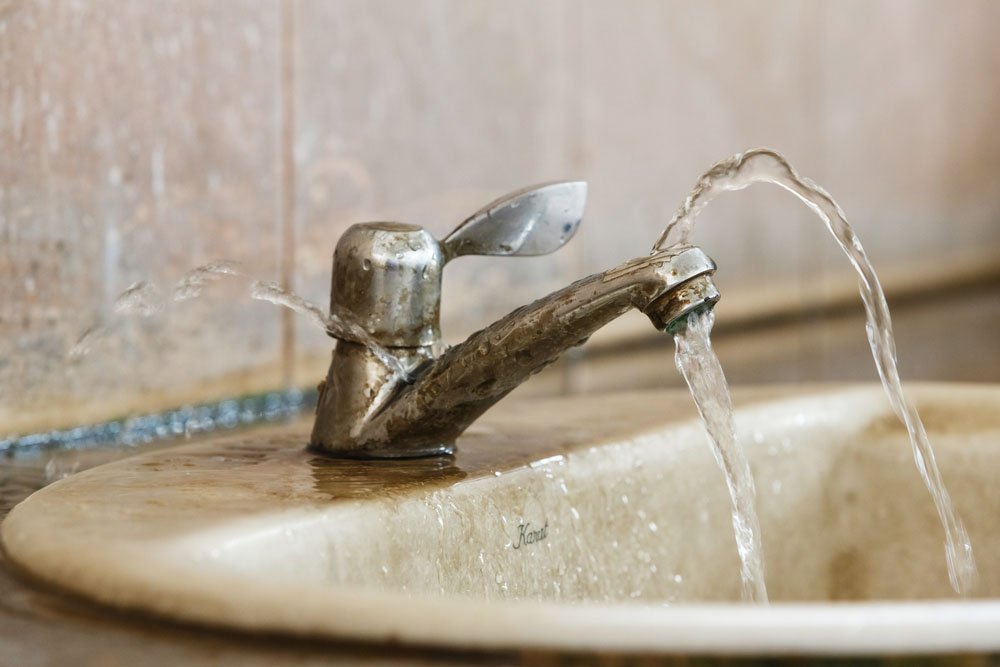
{"x": 587, "y": 522}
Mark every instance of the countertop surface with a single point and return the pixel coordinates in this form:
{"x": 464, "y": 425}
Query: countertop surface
{"x": 39, "y": 626}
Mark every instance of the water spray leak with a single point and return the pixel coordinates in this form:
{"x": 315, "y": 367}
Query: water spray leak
{"x": 86, "y": 342}
{"x": 272, "y": 292}
{"x": 193, "y": 284}
{"x": 338, "y": 323}
{"x": 142, "y": 298}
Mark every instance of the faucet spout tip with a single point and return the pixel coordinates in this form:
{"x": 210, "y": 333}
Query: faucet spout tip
{"x": 669, "y": 313}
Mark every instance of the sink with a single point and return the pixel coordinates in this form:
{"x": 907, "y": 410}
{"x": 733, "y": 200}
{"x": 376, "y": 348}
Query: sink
{"x": 597, "y": 522}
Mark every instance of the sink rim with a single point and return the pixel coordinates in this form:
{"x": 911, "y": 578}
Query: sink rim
{"x": 822, "y": 628}
{"x": 799, "y": 628}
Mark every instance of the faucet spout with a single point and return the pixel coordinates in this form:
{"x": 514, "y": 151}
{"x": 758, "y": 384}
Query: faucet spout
{"x": 425, "y": 414}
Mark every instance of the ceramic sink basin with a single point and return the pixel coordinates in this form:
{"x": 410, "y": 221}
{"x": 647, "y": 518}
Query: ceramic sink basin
{"x": 591, "y": 522}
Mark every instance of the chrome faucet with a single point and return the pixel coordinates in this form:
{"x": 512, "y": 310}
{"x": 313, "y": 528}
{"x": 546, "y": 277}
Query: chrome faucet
{"x": 388, "y": 276}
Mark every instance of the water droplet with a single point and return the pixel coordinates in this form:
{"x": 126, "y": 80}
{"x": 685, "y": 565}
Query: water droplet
{"x": 193, "y": 284}
{"x": 141, "y": 298}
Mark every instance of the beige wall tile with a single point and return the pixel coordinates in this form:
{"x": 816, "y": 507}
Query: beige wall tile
{"x": 888, "y": 104}
{"x": 671, "y": 87}
{"x": 911, "y": 108}
{"x": 138, "y": 141}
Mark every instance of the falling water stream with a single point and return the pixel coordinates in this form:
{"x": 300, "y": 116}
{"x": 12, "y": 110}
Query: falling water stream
{"x": 694, "y": 355}
{"x": 703, "y": 373}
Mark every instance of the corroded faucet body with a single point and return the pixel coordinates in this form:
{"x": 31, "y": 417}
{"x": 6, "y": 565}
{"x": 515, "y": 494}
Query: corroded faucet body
{"x": 388, "y": 275}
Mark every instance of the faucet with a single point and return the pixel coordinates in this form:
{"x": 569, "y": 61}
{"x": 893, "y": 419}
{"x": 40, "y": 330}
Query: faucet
{"x": 387, "y": 276}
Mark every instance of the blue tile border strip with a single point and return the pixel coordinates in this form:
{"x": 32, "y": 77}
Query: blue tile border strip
{"x": 182, "y": 422}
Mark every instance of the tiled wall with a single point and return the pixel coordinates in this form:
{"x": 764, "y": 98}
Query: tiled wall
{"x": 136, "y": 141}
{"x": 140, "y": 139}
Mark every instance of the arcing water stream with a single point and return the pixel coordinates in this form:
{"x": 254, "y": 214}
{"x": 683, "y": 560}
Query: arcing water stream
{"x": 766, "y": 166}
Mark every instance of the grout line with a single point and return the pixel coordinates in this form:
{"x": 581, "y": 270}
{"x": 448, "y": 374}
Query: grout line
{"x": 286, "y": 87}
{"x": 575, "y": 147}
{"x": 814, "y": 270}
{"x": 820, "y": 145}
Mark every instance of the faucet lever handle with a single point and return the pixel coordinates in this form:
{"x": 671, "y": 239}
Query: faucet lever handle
{"x": 535, "y": 220}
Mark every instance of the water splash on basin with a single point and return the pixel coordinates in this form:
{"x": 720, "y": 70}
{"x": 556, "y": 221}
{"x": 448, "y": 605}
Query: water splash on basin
{"x": 766, "y": 166}
{"x": 703, "y": 373}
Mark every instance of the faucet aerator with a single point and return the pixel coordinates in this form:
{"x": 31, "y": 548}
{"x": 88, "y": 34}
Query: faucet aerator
{"x": 670, "y": 313}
